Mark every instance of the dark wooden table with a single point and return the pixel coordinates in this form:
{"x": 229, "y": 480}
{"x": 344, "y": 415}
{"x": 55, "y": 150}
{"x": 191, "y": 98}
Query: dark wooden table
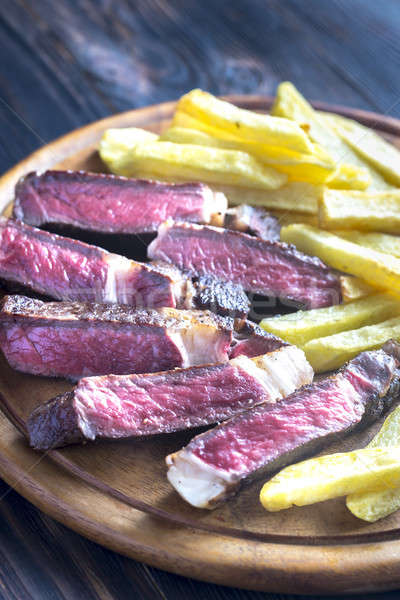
{"x": 66, "y": 63}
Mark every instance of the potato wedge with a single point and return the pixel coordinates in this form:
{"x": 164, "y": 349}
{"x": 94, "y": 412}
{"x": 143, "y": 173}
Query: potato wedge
{"x": 382, "y": 242}
{"x": 376, "y": 268}
{"x": 331, "y": 352}
{"x": 305, "y": 325}
{"x": 332, "y": 476}
{"x": 211, "y": 165}
{"x": 376, "y": 211}
{"x": 291, "y": 104}
{"x": 244, "y": 124}
{"x": 354, "y": 288}
{"x": 372, "y": 506}
{"x": 373, "y": 148}
{"x": 298, "y": 196}
{"x": 115, "y": 144}
{"x": 314, "y": 168}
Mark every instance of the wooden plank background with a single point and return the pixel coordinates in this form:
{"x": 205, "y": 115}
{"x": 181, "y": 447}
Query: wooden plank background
{"x": 66, "y": 63}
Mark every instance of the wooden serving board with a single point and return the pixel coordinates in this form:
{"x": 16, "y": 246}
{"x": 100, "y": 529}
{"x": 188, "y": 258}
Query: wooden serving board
{"x": 116, "y": 493}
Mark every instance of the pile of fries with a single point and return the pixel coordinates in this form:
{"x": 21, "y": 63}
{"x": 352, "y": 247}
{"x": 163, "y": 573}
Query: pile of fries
{"x": 332, "y": 183}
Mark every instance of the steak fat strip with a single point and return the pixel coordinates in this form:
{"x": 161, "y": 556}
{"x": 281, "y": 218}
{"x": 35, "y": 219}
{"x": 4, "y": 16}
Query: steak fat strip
{"x": 259, "y": 441}
{"x": 120, "y": 406}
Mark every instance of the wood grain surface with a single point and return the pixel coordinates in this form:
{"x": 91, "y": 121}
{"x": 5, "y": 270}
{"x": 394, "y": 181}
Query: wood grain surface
{"x": 68, "y": 63}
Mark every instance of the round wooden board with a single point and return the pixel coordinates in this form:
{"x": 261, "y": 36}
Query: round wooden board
{"x": 117, "y": 493}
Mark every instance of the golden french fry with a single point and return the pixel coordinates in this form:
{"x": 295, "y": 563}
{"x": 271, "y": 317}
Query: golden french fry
{"x": 331, "y": 352}
{"x": 302, "y": 326}
{"x": 382, "y": 242}
{"x": 353, "y": 288}
{"x": 115, "y": 144}
{"x": 286, "y": 217}
{"x": 244, "y": 124}
{"x": 373, "y": 148}
{"x": 367, "y": 211}
{"x": 332, "y": 476}
{"x": 291, "y": 104}
{"x": 298, "y": 196}
{"x": 314, "y": 168}
{"x": 372, "y": 506}
{"x": 376, "y": 268}
{"x": 199, "y": 163}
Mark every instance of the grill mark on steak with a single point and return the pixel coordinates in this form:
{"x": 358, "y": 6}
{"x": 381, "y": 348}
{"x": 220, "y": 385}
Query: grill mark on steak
{"x": 259, "y": 266}
{"x": 110, "y": 203}
{"x": 141, "y": 405}
{"x": 214, "y": 465}
{"x": 66, "y": 269}
{"x": 71, "y": 339}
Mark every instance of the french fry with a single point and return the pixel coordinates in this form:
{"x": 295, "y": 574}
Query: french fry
{"x": 349, "y": 177}
{"x": 331, "y": 352}
{"x": 314, "y": 168}
{"x": 353, "y": 288}
{"x": 376, "y": 268}
{"x": 244, "y": 124}
{"x": 302, "y": 326}
{"x": 382, "y": 242}
{"x": 384, "y": 157}
{"x": 332, "y": 476}
{"x": 286, "y": 217}
{"x": 115, "y": 144}
{"x": 375, "y": 211}
{"x": 298, "y": 196}
{"x": 199, "y": 163}
{"x": 372, "y": 506}
{"x": 291, "y": 104}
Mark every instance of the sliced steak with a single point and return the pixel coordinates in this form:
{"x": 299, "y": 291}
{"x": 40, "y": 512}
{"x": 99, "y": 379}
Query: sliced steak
{"x": 111, "y": 204}
{"x": 269, "y": 268}
{"x": 253, "y": 219}
{"x": 66, "y": 269}
{"x": 224, "y": 298}
{"x": 139, "y": 405}
{"x": 74, "y": 340}
{"x": 261, "y": 440}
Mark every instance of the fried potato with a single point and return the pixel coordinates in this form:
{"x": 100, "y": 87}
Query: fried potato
{"x": 372, "y": 506}
{"x": 314, "y": 168}
{"x": 376, "y": 211}
{"x": 296, "y": 195}
{"x": 331, "y": 352}
{"x": 376, "y": 268}
{"x": 117, "y": 143}
{"x": 348, "y": 177}
{"x": 354, "y": 288}
{"x": 382, "y": 242}
{"x": 198, "y": 163}
{"x": 302, "y": 326}
{"x": 332, "y": 476}
{"x": 373, "y": 148}
{"x": 291, "y": 104}
{"x": 244, "y": 124}
{"x": 286, "y": 217}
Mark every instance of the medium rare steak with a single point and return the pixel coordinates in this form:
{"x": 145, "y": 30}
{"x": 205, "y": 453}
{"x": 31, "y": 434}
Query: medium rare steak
{"x": 138, "y": 405}
{"x": 111, "y": 204}
{"x": 255, "y": 220}
{"x": 66, "y": 269}
{"x": 224, "y": 298}
{"x": 70, "y": 339}
{"x": 259, "y": 266}
{"x": 250, "y": 340}
{"x": 261, "y": 440}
